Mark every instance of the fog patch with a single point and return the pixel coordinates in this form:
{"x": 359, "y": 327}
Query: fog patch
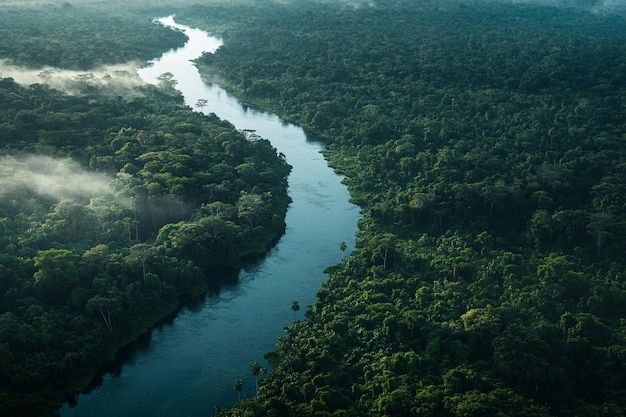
{"x": 59, "y": 179}
{"x": 119, "y": 79}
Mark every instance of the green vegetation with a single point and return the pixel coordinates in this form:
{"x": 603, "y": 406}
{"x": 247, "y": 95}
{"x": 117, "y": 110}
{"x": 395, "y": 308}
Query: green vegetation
{"x": 483, "y": 140}
{"x": 79, "y": 37}
{"x": 485, "y": 143}
{"x": 111, "y": 209}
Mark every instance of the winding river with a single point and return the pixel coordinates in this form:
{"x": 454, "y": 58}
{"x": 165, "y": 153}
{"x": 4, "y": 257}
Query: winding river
{"x": 187, "y": 366}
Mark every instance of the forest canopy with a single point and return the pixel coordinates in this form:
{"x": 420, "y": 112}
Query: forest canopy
{"x": 485, "y": 143}
{"x": 112, "y": 207}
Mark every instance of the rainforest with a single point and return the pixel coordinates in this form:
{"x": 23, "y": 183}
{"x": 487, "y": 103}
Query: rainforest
{"x": 117, "y": 202}
{"x": 484, "y": 142}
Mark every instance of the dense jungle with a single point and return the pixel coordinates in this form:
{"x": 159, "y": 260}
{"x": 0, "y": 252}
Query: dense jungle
{"x": 112, "y": 207}
{"x": 484, "y": 142}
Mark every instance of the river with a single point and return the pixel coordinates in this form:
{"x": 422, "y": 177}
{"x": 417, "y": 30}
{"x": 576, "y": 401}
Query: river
{"x": 187, "y": 367}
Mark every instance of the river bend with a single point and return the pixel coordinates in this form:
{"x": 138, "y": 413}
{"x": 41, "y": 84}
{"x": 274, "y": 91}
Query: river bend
{"x": 187, "y": 367}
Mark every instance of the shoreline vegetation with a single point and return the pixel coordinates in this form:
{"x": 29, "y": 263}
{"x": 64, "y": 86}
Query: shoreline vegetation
{"x": 113, "y": 207}
{"x": 484, "y": 142}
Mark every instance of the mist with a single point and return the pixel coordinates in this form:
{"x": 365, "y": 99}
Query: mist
{"x": 58, "y": 179}
{"x": 119, "y": 79}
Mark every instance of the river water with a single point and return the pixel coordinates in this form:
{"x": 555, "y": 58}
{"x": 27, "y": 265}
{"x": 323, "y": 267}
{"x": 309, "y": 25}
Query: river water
{"x": 188, "y": 366}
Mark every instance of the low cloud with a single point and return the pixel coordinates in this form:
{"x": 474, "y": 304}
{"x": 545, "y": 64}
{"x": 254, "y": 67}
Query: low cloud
{"x": 55, "y": 178}
{"x": 120, "y": 79}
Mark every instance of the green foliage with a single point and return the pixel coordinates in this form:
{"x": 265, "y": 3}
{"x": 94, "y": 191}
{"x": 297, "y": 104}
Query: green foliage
{"x": 81, "y": 37}
{"x": 487, "y": 156}
{"x": 111, "y": 209}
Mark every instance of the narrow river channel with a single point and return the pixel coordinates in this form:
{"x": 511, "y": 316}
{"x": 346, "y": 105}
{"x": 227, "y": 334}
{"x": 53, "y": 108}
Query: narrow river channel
{"x": 187, "y": 367}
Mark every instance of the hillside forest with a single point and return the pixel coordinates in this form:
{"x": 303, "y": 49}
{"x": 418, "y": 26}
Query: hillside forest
{"x": 485, "y": 143}
{"x": 112, "y": 208}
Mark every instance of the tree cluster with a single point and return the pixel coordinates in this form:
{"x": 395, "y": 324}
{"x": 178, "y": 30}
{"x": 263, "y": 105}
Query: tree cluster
{"x": 79, "y": 37}
{"x": 110, "y": 210}
{"x": 485, "y": 144}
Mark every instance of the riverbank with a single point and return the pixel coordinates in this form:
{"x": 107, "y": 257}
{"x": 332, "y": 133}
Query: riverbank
{"x": 128, "y": 220}
{"x": 201, "y": 347}
{"x": 46, "y": 402}
{"x": 486, "y": 271}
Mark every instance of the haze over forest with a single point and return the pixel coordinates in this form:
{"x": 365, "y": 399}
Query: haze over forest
{"x": 484, "y": 142}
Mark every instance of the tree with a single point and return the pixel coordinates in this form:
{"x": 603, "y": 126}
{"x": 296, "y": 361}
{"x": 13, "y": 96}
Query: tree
{"x": 238, "y": 386}
{"x": 395, "y": 403}
{"x": 295, "y": 307}
{"x": 56, "y": 276}
{"x": 202, "y": 103}
{"x": 70, "y": 221}
{"x": 343, "y": 246}
{"x": 250, "y": 208}
{"x": 104, "y": 305}
{"x": 413, "y": 318}
{"x": 383, "y": 246}
{"x": 600, "y": 227}
{"x": 139, "y": 255}
{"x": 167, "y": 82}
{"x": 255, "y": 370}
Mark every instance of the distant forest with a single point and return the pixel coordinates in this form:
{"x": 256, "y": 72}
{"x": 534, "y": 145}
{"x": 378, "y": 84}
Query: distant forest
{"x": 485, "y": 143}
{"x": 111, "y": 207}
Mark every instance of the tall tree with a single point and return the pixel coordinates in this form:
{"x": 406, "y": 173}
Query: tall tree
{"x": 295, "y": 306}
{"x": 105, "y": 306}
{"x": 255, "y": 370}
{"x": 238, "y": 386}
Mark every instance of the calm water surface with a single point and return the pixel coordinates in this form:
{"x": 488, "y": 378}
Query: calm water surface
{"x": 188, "y": 366}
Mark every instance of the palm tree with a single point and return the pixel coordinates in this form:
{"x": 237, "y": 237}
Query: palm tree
{"x": 295, "y": 307}
{"x": 343, "y": 246}
{"x": 238, "y": 387}
{"x": 255, "y": 370}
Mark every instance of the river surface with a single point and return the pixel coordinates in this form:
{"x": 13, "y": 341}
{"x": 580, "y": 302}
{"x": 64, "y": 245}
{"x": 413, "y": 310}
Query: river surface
{"x": 187, "y": 367}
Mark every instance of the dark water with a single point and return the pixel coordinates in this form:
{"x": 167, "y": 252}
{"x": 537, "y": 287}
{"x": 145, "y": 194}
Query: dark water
{"x": 188, "y": 366}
